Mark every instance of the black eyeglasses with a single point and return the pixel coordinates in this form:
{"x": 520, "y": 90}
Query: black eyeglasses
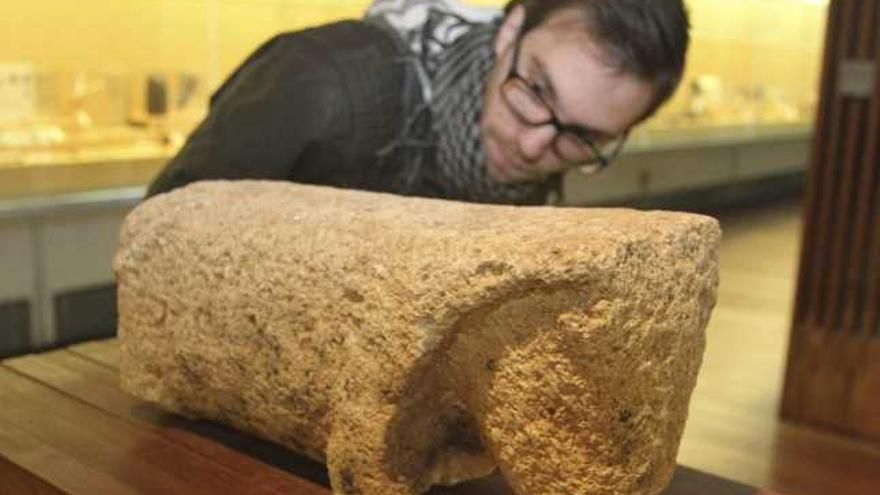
{"x": 572, "y": 142}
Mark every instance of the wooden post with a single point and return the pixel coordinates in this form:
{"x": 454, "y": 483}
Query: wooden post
{"x": 833, "y": 375}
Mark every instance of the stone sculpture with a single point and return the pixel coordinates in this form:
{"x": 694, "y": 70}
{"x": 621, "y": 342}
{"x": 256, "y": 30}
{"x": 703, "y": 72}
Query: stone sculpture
{"x": 411, "y": 342}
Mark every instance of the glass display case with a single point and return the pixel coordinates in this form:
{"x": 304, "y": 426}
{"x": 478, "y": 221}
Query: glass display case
{"x": 95, "y": 96}
{"x": 753, "y": 70}
{"x": 105, "y": 92}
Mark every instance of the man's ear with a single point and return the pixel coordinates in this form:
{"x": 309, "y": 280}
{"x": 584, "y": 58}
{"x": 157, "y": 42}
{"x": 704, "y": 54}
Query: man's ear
{"x": 510, "y": 29}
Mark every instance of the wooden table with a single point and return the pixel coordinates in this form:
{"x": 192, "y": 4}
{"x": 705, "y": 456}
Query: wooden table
{"x": 67, "y": 428}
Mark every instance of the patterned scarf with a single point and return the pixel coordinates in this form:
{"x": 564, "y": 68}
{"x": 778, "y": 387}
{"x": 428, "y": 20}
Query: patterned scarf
{"x": 441, "y": 139}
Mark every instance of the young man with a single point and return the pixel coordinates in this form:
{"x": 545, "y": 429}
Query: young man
{"x": 431, "y": 98}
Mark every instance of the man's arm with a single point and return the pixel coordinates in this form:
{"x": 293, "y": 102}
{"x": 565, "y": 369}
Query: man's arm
{"x": 281, "y": 100}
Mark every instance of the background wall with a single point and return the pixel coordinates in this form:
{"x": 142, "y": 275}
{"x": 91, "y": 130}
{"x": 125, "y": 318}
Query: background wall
{"x": 751, "y": 59}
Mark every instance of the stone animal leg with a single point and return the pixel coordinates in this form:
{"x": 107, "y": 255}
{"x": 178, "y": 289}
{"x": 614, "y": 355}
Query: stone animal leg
{"x": 405, "y": 438}
{"x": 566, "y": 402}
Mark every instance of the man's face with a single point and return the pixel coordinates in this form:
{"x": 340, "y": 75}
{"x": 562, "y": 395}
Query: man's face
{"x": 570, "y": 73}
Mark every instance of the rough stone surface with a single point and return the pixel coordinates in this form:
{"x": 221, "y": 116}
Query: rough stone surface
{"x": 410, "y": 342}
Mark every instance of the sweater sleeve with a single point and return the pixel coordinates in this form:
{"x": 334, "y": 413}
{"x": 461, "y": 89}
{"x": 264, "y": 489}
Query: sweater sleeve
{"x": 283, "y": 99}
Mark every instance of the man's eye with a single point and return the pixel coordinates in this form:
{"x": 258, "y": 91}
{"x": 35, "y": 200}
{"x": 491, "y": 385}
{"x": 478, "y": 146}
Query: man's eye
{"x": 596, "y": 138}
{"x": 538, "y": 89}
{"x": 578, "y": 141}
{"x": 601, "y": 139}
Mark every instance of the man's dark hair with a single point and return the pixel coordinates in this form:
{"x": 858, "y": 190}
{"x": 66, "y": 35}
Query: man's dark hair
{"x": 646, "y": 38}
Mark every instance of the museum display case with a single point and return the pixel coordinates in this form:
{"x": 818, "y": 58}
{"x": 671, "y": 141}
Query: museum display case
{"x": 96, "y": 95}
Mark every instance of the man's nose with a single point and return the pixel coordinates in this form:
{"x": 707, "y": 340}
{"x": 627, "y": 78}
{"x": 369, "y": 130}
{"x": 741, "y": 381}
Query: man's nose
{"x": 535, "y": 141}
